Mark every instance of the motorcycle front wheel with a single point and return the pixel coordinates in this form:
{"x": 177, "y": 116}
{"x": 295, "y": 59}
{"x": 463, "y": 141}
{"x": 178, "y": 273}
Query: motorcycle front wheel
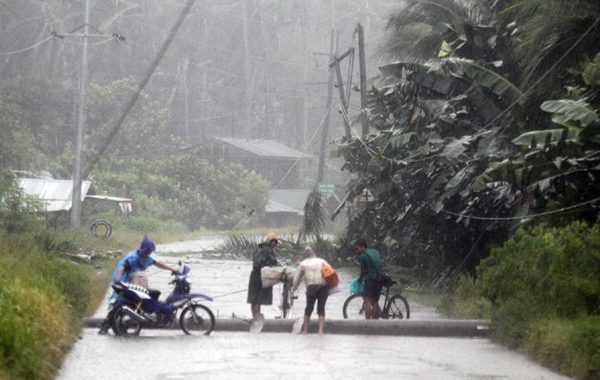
{"x": 125, "y": 325}
{"x": 197, "y": 320}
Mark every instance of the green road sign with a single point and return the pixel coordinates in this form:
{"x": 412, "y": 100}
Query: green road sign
{"x": 326, "y": 188}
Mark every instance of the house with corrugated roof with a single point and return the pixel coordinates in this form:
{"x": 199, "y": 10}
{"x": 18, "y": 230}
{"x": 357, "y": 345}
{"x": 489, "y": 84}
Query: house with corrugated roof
{"x": 277, "y": 163}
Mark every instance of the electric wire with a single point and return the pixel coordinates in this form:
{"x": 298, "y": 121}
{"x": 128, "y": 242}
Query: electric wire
{"x": 552, "y": 68}
{"x": 511, "y": 106}
{"x": 167, "y": 42}
{"x": 305, "y": 147}
{"x": 496, "y": 219}
{"x": 27, "y": 48}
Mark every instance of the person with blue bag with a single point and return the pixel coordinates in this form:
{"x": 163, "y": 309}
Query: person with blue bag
{"x": 370, "y": 265}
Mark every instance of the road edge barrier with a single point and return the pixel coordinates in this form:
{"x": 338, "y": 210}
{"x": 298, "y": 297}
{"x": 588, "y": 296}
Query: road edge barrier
{"x": 471, "y": 328}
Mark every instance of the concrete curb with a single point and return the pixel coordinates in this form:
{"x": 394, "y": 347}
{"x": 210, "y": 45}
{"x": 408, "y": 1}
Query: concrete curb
{"x": 423, "y": 328}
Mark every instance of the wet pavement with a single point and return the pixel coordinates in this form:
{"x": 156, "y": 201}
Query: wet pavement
{"x": 170, "y": 355}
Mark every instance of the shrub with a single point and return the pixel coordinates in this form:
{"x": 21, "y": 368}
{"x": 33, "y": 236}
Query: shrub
{"x": 554, "y": 269}
{"x": 466, "y": 301}
{"x": 34, "y": 328}
{"x": 544, "y": 289}
{"x": 572, "y": 346}
{"x": 42, "y": 297}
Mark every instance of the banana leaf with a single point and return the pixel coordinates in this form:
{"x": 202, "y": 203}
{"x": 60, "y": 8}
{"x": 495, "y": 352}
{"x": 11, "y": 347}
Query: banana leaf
{"x": 547, "y": 137}
{"x": 566, "y": 110}
{"x": 503, "y": 88}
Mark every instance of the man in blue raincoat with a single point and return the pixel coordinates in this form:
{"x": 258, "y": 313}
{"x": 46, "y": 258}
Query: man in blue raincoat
{"x": 130, "y": 266}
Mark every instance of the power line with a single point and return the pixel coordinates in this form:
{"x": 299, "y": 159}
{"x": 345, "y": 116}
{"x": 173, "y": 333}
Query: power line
{"x": 233, "y": 15}
{"x": 522, "y": 217}
{"x": 291, "y": 89}
{"x": 305, "y": 147}
{"x": 27, "y": 48}
{"x": 172, "y": 33}
{"x": 245, "y": 115}
{"x": 511, "y": 106}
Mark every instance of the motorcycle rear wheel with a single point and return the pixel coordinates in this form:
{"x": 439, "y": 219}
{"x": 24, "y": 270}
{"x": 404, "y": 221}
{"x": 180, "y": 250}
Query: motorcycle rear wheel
{"x": 124, "y": 325}
{"x": 197, "y": 320}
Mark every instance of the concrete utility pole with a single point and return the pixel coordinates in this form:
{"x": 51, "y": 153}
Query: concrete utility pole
{"x": 363, "y": 78}
{"x": 247, "y": 75}
{"x": 81, "y": 114}
{"x": 81, "y": 120}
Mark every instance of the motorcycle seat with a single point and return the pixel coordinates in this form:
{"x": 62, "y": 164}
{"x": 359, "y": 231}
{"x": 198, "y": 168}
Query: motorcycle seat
{"x": 154, "y": 294}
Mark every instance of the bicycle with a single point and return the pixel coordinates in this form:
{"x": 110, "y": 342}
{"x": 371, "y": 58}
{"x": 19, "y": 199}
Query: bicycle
{"x": 394, "y": 307}
{"x": 287, "y": 298}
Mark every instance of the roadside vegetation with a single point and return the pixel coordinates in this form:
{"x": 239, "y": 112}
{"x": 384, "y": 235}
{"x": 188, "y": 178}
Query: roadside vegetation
{"x": 43, "y": 293}
{"x": 541, "y": 290}
{"x": 483, "y": 161}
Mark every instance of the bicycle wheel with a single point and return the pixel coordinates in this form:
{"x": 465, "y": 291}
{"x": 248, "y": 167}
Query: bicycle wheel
{"x": 354, "y": 307}
{"x": 197, "y": 320}
{"x": 397, "y": 308}
{"x": 287, "y": 303}
{"x": 124, "y": 324}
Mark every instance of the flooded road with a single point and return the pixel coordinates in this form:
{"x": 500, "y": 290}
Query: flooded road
{"x": 170, "y": 355}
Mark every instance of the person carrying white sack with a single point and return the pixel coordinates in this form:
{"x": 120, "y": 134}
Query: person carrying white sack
{"x": 317, "y": 289}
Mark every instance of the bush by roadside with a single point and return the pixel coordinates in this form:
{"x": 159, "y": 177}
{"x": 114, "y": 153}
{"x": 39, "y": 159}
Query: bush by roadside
{"x": 542, "y": 291}
{"x": 42, "y": 299}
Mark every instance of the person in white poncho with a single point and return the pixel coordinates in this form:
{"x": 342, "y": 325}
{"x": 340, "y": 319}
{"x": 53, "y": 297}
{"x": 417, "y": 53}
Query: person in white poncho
{"x": 317, "y": 290}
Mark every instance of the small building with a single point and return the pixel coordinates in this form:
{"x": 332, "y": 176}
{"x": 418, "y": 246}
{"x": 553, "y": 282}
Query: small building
{"x": 277, "y": 163}
{"x": 280, "y": 215}
{"x": 56, "y": 196}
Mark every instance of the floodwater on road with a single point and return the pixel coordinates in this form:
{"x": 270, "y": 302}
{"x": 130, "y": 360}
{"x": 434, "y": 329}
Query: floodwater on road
{"x": 170, "y": 355}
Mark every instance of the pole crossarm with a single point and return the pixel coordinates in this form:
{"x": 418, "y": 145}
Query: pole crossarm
{"x": 337, "y": 60}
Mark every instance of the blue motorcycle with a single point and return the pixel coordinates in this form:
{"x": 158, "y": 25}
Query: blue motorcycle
{"x": 138, "y": 307}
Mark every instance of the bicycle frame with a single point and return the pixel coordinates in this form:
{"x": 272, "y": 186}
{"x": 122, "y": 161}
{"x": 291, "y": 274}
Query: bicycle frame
{"x": 385, "y": 302}
{"x": 286, "y": 297}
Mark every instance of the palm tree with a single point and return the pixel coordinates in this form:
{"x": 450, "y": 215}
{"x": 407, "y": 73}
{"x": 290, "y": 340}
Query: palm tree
{"x": 553, "y": 32}
{"x": 418, "y": 29}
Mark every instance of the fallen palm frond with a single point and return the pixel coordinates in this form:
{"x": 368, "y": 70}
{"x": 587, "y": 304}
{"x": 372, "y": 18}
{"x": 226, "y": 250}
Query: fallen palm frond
{"x": 246, "y": 245}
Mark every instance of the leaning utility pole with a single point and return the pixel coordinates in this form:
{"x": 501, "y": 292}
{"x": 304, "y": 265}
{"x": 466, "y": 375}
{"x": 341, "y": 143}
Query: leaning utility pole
{"x": 324, "y": 132}
{"x": 81, "y": 120}
{"x": 363, "y": 79}
{"x": 344, "y": 98}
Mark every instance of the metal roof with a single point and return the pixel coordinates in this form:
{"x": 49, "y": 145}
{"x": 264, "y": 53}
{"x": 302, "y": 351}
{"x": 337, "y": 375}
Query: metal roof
{"x": 273, "y": 207}
{"x": 54, "y": 193}
{"x": 264, "y": 148}
{"x": 293, "y": 198}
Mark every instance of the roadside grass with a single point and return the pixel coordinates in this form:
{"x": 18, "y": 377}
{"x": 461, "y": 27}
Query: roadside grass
{"x": 42, "y": 298}
{"x": 570, "y": 346}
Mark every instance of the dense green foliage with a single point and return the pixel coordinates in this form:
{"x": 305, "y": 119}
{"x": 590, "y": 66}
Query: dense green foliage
{"x": 460, "y": 129}
{"x": 542, "y": 291}
{"x": 42, "y": 298}
{"x": 172, "y": 187}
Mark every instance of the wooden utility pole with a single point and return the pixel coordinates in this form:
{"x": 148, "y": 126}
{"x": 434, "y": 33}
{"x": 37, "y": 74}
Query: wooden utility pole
{"x": 325, "y": 130}
{"x": 336, "y": 63}
{"x": 363, "y": 79}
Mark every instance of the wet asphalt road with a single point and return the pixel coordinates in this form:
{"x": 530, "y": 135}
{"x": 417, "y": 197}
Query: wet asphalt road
{"x": 170, "y": 355}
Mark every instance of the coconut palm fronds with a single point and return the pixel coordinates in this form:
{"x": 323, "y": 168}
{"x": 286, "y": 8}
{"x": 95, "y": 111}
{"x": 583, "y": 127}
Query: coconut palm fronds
{"x": 314, "y": 216}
